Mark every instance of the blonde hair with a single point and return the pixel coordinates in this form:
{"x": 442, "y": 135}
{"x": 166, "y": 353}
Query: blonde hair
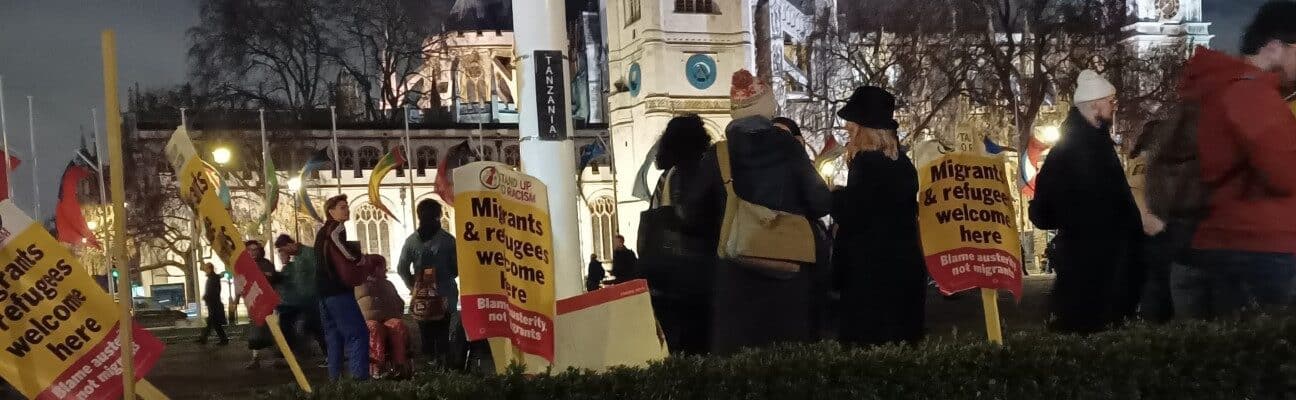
{"x": 863, "y": 138}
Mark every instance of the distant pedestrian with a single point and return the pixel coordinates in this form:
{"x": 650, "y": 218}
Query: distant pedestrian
{"x": 215, "y": 307}
{"x": 880, "y": 261}
{"x": 429, "y": 266}
{"x": 756, "y": 304}
{"x": 1242, "y": 252}
{"x": 594, "y": 274}
{"x": 339, "y": 270}
{"x": 1081, "y": 191}
{"x": 624, "y": 262}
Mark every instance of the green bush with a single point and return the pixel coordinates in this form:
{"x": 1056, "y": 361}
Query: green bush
{"x": 1248, "y": 360}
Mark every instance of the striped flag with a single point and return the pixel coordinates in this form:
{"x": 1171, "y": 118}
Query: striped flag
{"x": 317, "y": 161}
{"x": 394, "y": 159}
{"x": 272, "y": 192}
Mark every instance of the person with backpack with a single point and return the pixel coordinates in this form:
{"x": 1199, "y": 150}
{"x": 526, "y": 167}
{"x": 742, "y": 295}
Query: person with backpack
{"x": 428, "y": 266}
{"x": 1162, "y": 237}
{"x": 1081, "y": 191}
{"x": 757, "y": 300}
{"x": 339, "y": 270}
{"x": 1240, "y": 185}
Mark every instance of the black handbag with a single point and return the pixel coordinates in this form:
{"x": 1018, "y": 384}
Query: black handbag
{"x": 663, "y": 260}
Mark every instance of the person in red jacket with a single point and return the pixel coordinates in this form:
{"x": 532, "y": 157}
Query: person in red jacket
{"x": 339, "y": 269}
{"x": 1242, "y": 251}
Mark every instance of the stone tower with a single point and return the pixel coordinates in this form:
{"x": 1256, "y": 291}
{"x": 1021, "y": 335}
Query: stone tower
{"x": 1160, "y": 23}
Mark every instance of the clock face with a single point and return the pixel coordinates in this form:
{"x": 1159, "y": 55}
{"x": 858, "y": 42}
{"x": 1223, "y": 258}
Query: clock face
{"x": 634, "y": 79}
{"x": 700, "y": 70}
{"x": 1169, "y": 8}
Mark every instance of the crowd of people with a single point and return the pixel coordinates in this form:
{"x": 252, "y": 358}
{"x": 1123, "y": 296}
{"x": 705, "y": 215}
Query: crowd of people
{"x": 1197, "y": 219}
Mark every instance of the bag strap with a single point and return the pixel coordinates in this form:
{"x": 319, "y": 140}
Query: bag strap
{"x": 726, "y": 170}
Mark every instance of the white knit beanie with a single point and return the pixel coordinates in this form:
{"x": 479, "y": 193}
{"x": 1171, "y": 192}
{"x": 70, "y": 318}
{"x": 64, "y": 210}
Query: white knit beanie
{"x": 1090, "y": 86}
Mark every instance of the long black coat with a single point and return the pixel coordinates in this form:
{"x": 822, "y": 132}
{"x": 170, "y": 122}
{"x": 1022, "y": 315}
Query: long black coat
{"x": 770, "y": 168}
{"x": 1081, "y": 191}
{"x": 879, "y": 261}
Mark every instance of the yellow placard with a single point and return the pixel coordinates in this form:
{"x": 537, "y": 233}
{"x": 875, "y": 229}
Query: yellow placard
{"x": 505, "y": 253}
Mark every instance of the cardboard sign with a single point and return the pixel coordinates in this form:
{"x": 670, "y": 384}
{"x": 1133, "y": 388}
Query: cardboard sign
{"x": 57, "y": 325}
{"x": 198, "y": 187}
{"x": 609, "y": 327}
{"x": 551, "y": 95}
{"x": 969, "y": 224}
{"x": 505, "y": 252}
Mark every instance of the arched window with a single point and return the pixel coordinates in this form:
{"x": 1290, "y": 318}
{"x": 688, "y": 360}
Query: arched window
{"x": 372, "y": 230}
{"x": 347, "y": 156}
{"x": 425, "y": 158}
{"x": 603, "y": 221}
{"x": 512, "y": 156}
{"x": 369, "y": 156}
{"x": 633, "y": 11}
{"x": 696, "y": 7}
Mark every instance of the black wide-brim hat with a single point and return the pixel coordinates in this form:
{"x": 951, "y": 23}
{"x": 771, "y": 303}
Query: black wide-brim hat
{"x": 871, "y": 107}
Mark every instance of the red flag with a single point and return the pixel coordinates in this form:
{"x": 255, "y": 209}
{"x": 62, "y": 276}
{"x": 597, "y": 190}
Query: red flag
{"x": 457, "y": 156}
{"x": 4, "y": 175}
{"x": 68, "y": 219}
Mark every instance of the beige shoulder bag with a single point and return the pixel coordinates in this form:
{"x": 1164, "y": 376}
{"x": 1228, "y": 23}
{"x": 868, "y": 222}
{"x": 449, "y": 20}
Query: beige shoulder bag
{"x": 758, "y": 237}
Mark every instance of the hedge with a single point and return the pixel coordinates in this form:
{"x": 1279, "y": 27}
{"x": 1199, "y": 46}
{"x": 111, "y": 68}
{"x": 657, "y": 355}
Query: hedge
{"x": 1235, "y": 360}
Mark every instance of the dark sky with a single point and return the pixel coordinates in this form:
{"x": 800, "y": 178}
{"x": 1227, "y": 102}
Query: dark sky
{"x": 49, "y": 49}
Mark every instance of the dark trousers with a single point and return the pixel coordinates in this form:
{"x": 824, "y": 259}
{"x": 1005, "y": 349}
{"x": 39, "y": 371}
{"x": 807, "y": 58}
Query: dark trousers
{"x": 686, "y": 324}
{"x": 347, "y": 336}
{"x": 214, "y": 323}
{"x": 1220, "y": 283}
{"x": 1159, "y": 253}
{"x": 1099, "y": 282}
{"x": 434, "y": 340}
{"x": 301, "y": 324}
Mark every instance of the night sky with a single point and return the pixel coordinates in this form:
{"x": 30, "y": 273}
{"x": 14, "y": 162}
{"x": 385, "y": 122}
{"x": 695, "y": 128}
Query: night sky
{"x": 49, "y": 49}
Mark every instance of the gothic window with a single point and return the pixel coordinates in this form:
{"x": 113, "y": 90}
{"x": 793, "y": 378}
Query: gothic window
{"x": 603, "y": 221}
{"x": 371, "y": 230}
{"x": 425, "y": 158}
{"x": 369, "y": 156}
{"x": 632, "y": 11}
{"x": 347, "y": 156}
{"x": 696, "y": 7}
{"x": 512, "y": 156}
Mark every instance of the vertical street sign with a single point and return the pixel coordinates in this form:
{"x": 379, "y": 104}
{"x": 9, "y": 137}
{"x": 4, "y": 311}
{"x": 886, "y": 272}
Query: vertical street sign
{"x": 551, "y": 99}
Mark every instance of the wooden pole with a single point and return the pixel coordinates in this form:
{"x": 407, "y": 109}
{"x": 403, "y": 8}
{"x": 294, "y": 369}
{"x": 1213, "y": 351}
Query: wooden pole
{"x": 113, "y": 112}
{"x": 990, "y": 303}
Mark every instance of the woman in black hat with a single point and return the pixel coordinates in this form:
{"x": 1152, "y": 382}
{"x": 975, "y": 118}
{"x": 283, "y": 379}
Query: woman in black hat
{"x": 879, "y": 261}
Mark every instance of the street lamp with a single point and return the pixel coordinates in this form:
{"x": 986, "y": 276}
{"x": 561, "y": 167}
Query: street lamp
{"x": 92, "y": 224}
{"x": 221, "y": 155}
{"x": 1050, "y": 134}
{"x": 294, "y": 184}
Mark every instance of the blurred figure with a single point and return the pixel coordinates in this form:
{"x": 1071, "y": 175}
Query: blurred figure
{"x": 594, "y": 274}
{"x": 259, "y": 337}
{"x": 383, "y": 309}
{"x": 1081, "y": 191}
{"x": 299, "y": 308}
{"x": 1163, "y": 240}
{"x": 624, "y": 262}
{"x": 215, "y": 307}
{"x": 1245, "y": 173}
{"x": 880, "y": 261}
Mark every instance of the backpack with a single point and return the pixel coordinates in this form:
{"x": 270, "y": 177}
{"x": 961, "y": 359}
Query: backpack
{"x": 1174, "y": 187}
{"x": 428, "y": 303}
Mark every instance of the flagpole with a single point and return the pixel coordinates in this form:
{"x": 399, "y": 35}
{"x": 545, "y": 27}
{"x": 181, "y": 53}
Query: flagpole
{"x": 125, "y": 333}
{"x": 31, "y": 130}
{"x": 265, "y": 156}
{"x": 337, "y": 160}
{"x": 103, "y": 192}
{"x": 409, "y": 172}
{"x": 4, "y": 130}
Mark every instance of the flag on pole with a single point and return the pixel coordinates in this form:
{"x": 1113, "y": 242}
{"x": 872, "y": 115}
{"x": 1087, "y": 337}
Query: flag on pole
{"x": 272, "y": 192}
{"x": 591, "y": 152}
{"x": 317, "y": 161}
{"x": 1030, "y": 163}
{"x": 69, "y": 220}
{"x": 458, "y": 155}
{"x": 4, "y": 174}
{"x": 394, "y": 159}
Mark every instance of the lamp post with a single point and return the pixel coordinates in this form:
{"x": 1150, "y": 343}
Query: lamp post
{"x": 222, "y": 155}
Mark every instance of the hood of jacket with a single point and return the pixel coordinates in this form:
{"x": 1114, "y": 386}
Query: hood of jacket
{"x": 755, "y": 143}
{"x": 1209, "y": 71}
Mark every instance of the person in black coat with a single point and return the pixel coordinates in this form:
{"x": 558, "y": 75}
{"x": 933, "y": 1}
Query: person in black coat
{"x": 769, "y": 168}
{"x": 1081, "y": 191}
{"x": 879, "y": 258}
{"x": 678, "y": 269}
{"x": 215, "y": 307}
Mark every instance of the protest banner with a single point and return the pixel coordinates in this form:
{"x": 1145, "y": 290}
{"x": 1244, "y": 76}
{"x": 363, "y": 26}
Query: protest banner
{"x": 609, "y": 327}
{"x": 969, "y": 228}
{"x": 198, "y": 187}
{"x": 506, "y": 266}
{"x": 57, "y": 325}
